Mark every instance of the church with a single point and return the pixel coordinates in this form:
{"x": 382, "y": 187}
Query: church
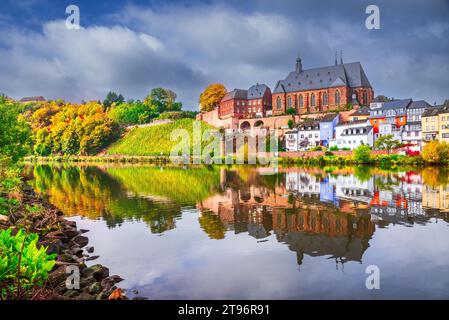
{"x": 322, "y": 89}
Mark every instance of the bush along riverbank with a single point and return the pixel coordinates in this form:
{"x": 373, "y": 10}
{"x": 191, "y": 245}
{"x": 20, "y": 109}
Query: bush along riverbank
{"x": 39, "y": 248}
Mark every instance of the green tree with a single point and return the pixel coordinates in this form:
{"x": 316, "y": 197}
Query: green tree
{"x": 15, "y": 134}
{"x": 290, "y": 123}
{"x": 291, "y": 111}
{"x": 387, "y": 142}
{"x": 362, "y": 154}
{"x": 162, "y": 100}
{"x": 111, "y": 98}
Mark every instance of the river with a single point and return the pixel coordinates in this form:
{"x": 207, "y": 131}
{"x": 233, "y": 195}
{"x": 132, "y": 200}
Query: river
{"x": 255, "y": 233}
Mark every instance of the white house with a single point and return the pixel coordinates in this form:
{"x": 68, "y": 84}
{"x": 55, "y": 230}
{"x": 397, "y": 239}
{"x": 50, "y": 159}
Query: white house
{"x": 353, "y": 134}
{"x": 308, "y": 135}
{"x": 291, "y": 140}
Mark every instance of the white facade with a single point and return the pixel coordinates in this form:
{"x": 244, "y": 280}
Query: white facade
{"x": 308, "y": 136}
{"x": 291, "y": 140}
{"x": 387, "y": 128}
{"x": 352, "y": 135}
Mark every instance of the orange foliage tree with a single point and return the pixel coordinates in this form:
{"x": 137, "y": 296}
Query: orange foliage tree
{"x": 211, "y": 96}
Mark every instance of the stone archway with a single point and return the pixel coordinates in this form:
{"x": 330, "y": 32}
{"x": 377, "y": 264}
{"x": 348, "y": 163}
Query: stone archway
{"x": 245, "y": 125}
{"x": 258, "y": 124}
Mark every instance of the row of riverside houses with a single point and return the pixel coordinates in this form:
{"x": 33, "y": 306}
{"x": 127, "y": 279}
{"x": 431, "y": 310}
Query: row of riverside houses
{"x": 410, "y": 122}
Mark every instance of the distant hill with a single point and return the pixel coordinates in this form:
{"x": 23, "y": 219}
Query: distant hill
{"x": 151, "y": 140}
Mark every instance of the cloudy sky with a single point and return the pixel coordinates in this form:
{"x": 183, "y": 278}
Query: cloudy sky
{"x": 132, "y": 46}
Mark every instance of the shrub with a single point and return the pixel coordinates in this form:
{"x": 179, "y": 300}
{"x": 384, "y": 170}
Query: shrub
{"x": 436, "y": 152}
{"x": 362, "y": 154}
{"x": 23, "y": 266}
{"x": 333, "y": 148}
{"x": 290, "y": 123}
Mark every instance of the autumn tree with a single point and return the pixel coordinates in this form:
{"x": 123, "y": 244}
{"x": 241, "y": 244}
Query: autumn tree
{"x": 211, "y": 97}
{"x": 436, "y": 152}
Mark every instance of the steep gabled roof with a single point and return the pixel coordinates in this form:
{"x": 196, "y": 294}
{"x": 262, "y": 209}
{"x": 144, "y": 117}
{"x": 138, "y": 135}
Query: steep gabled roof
{"x": 257, "y": 91}
{"x": 350, "y": 74}
{"x": 419, "y": 104}
{"x": 28, "y": 99}
{"x": 236, "y": 94}
{"x": 432, "y": 111}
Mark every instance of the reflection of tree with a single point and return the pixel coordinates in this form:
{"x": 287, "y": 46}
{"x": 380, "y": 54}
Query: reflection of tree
{"x": 436, "y": 176}
{"x": 212, "y": 225}
{"x": 362, "y": 173}
{"x": 90, "y": 192}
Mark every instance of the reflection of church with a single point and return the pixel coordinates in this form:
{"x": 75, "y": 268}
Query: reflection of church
{"x": 318, "y": 214}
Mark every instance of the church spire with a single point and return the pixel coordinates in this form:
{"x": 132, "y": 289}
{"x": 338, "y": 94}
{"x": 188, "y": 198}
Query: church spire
{"x": 341, "y": 56}
{"x": 298, "y": 64}
{"x": 336, "y": 58}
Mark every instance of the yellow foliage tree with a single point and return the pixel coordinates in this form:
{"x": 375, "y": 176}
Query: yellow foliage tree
{"x": 211, "y": 96}
{"x": 436, "y": 152}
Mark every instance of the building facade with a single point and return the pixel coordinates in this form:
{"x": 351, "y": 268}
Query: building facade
{"x": 321, "y": 89}
{"x": 327, "y": 128}
{"x": 308, "y": 135}
{"x": 351, "y": 135}
{"x": 412, "y": 130}
{"x": 252, "y": 103}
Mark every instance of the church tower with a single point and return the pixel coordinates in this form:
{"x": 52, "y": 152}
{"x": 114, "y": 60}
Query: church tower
{"x": 298, "y": 64}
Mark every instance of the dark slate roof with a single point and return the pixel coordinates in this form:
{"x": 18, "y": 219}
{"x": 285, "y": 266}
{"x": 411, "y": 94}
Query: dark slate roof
{"x": 236, "y": 94}
{"x": 328, "y": 117}
{"x": 419, "y": 104}
{"x": 257, "y": 91}
{"x": 432, "y": 111}
{"x": 446, "y": 103}
{"x": 347, "y": 74}
{"x": 315, "y": 125}
{"x": 392, "y": 105}
{"x": 361, "y": 112}
{"x": 353, "y": 122}
{"x": 396, "y": 104}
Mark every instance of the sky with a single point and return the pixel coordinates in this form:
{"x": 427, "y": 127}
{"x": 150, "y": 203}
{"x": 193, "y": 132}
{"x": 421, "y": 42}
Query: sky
{"x": 133, "y": 46}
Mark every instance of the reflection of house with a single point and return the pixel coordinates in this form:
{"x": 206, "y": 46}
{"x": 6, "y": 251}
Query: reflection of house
{"x": 303, "y": 183}
{"x": 436, "y": 198}
{"x": 351, "y": 188}
{"x": 318, "y": 233}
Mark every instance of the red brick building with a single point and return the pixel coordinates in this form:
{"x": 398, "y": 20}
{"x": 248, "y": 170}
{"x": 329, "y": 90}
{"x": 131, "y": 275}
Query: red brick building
{"x": 322, "y": 89}
{"x": 251, "y": 103}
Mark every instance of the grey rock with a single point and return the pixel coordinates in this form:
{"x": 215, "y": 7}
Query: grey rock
{"x": 94, "y": 288}
{"x": 97, "y": 271}
{"x": 90, "y": 249}
{"x": 92, "y": 258}
{"x": 81, "y": 241}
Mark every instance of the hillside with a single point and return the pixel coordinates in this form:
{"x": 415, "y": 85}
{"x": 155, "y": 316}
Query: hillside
{"x": 152, "y": 140}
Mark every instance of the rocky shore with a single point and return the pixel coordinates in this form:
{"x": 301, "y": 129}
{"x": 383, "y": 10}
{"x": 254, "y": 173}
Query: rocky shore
{"x": 62, "y": 237}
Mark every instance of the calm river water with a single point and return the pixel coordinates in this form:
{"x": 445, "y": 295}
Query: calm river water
{"x": 251, "y": 233}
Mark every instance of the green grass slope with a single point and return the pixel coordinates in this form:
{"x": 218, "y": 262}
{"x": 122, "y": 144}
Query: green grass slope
{"x": 153, "y": 140}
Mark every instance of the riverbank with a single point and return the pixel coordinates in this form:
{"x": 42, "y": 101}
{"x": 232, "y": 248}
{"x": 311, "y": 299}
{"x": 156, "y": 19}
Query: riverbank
{"x": 289, "y": 158}
{"x": 69, "y": 245}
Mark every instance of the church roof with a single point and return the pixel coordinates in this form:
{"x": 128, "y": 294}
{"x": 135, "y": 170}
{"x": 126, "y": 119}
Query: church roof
{"x": 347, "y": 74}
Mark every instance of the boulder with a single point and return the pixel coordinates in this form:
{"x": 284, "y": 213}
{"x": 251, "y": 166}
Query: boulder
{"x": 57, "y": 235}
{"x": 94, "y": 288}
{"x": 97, "y": 271}
{"x": 80, "y": 241}
{"x": 90, "y": 249}
{"x": 92, "y": 258}
{"x": 53, "y": 245}
{"x": 57, "y": 276}
{"x": 70, "y": 233}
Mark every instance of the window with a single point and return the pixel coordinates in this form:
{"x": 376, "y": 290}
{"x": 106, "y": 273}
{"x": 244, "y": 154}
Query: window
{"x": 337, "y": 97}
{"x": 289, "y": 102}
{"x": 310, "y": 135}
{"x": 301, "y": 101}
{"x": 312, "y": 100}
{"x": 325, "y": 99}
{"x": 278, "y": 103}
{"x": 365, "y": 97}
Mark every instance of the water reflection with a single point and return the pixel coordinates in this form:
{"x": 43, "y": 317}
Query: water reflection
{"x": 326, "y": 212}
